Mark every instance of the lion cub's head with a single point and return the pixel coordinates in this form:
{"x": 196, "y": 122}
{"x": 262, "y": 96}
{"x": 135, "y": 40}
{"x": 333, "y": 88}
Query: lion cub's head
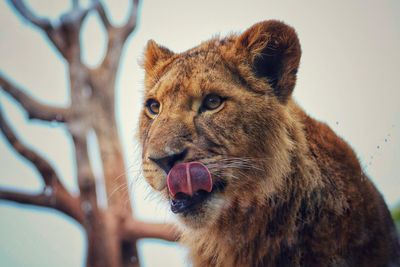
{"x": 215, "y": 119}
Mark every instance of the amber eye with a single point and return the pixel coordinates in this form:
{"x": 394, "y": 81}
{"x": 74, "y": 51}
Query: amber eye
{"x": 211, "y": 102}
{"x": 153, "y": 106}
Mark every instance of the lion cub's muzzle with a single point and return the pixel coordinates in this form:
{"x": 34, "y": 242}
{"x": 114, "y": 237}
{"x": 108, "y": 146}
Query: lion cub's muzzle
{"x": 189, "y": 183}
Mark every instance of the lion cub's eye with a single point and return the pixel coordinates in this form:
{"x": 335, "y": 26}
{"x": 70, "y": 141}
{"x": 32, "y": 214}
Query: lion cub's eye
{"x": 212, "y": 101}
{"x": 153, "y": 106}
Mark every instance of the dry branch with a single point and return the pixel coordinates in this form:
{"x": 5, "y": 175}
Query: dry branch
{"x": 51, "y": 200}
{"x": 102, "y": 14}
{"x": 42, "y": 23}
{"x": 41, "y": 200}
{"x": 116, "y": 35}
{"x": 134, "y": 229}
{"x": 132, "y": 20}
{"x": 64, "y": 35}
{"x": 130, "y": 24}
{"x": 47, "y": 172}
{"x": 54, "y": 195}
{"x": 34, "y": 108}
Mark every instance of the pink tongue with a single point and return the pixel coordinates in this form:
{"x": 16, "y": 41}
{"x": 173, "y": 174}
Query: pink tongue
{"x": 188, "y": 178}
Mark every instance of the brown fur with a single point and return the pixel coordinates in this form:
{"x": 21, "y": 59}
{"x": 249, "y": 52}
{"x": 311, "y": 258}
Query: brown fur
{"x": 294, "y": 192}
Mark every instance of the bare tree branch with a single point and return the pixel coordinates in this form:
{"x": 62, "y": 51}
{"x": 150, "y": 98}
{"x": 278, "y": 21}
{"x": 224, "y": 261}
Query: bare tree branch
{"x": 22, "y": 198}
{"x": 42, "y": 23}
{"x": 46, "y": 171}
{"x": 64, "y": 35}
{"x": 54, "y": 195}
{"x": 102, "y": 14}
{"x": 51, "y": 200}
{"x": 34, "y": 108}
{"x": 134, "y": 229}
{"x": 77, "y": 13}
{"x": 131, "y": 23}
{"x": 67, "y": 34}
{"x": 45, "y": 24}
{"x": 117, "y": 37}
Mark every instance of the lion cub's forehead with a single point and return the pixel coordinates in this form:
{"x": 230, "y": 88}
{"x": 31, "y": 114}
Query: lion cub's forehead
{"x": 192, "y": 74}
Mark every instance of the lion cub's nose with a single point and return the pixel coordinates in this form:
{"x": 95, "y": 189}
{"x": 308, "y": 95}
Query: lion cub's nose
{"x": 166, "y": 163}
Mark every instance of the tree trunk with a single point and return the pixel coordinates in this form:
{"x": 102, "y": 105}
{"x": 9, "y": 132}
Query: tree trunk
{"x": 111, "y": 231}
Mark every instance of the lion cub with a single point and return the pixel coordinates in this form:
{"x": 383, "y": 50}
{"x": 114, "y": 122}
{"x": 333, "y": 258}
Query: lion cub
{"x": 254, "y": 180}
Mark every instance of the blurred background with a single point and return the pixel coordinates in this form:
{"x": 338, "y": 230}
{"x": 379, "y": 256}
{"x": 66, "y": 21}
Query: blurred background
{"x": 348, "y": 78}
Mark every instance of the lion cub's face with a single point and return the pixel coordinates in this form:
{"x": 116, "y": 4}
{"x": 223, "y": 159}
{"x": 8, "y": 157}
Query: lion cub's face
{"x": 213, "y": 121}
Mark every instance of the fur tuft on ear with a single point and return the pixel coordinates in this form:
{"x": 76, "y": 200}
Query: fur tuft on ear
{"x": 273, "y": 51}
{"x": 154, "y": 54}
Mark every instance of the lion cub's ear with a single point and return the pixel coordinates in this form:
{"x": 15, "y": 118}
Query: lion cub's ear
{"x": 273, "y": 50}
{"x": 153, "y": 55}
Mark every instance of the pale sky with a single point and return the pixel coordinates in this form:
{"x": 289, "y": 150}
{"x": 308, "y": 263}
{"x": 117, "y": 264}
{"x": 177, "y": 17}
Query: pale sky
{"x": 348, "y": 78}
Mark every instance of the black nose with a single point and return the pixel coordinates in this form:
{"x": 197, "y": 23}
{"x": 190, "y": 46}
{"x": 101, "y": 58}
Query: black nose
{"x": 166, "y": 163}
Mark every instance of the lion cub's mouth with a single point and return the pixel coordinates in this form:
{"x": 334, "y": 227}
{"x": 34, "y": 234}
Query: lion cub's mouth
{"x": 183, "y": 203}
{"x": 189, "y": 185}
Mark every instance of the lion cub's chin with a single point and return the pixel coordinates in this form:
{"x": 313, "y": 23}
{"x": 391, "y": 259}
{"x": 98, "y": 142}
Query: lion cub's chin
{"x": 206, "y": 214}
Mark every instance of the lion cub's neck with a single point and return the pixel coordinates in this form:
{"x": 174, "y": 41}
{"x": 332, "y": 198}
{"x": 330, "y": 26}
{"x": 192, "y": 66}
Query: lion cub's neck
{"x": 256, "y": 228}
